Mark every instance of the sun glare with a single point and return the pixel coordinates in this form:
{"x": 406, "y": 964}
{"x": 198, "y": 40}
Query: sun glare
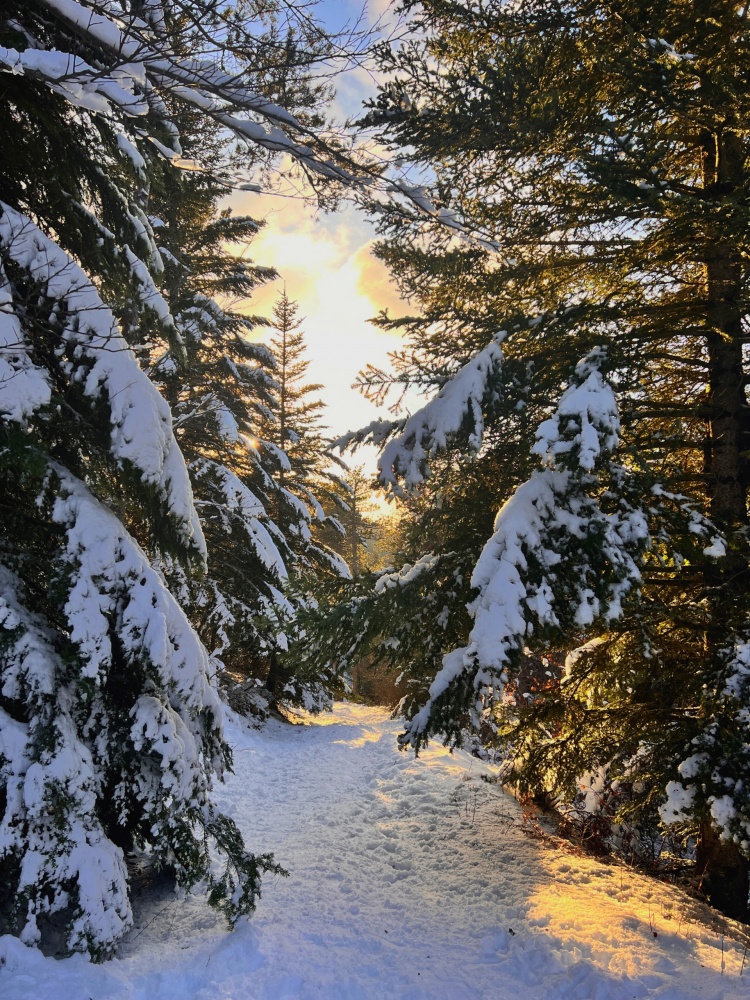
{"x": 327, "y": 266}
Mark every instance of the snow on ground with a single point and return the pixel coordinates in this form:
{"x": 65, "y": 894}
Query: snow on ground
{"x": 410, "y": 880}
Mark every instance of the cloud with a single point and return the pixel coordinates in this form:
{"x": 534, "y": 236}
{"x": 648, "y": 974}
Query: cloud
{"x": 374, "y": 282}
{"x": 327, "y": 266}
{"x": 322, "y": 256}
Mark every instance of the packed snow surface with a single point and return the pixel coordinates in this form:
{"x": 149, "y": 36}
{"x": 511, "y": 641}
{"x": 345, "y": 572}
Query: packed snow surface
{"x": 411, "y": 879}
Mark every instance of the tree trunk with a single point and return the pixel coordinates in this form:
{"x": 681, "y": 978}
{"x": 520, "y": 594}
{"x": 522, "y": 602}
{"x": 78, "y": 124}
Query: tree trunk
{"x": 274, "y": 678}
{"x": 723, "y": 173}
{"x": 355, "y": 536}
{"x": 725, "y": 873}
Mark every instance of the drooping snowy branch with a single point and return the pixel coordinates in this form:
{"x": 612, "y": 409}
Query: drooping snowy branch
{"x": 143, "y": 67}
{"x": 81, "y": 84}
{"x": 377, "y": 432}
{"x": 139, "y": 67}
{"x": 407, "y": 574}
{"x": 100, "y": 361}
{"x": 114, "y": 578}
{"x": 540, "y": 572}
{"x": 456, "y": 410}
{"x": 709, "y": 780}
{"x": 24, "y": 387}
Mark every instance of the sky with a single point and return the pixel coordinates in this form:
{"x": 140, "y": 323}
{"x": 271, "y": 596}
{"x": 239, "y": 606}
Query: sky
{"x": 326, "y": 264}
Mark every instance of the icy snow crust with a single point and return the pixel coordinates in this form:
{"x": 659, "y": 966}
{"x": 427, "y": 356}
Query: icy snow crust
{"x": 410, "y": 879}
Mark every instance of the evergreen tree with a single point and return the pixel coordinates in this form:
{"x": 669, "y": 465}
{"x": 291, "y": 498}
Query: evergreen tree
{"x": 303, "y": 506}
{"x": 297, "y": 428}
{"x": 594, "y": 159}
{"x": 356, "y": 517}
{"x": 110, "y": 728}
{"x": 221, "y": 388}
{"x": 293, "y": 428}
{"x": 413, "y": 610}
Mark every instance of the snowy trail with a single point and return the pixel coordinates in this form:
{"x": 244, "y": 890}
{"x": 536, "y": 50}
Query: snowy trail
{"x": 410, "y": 879}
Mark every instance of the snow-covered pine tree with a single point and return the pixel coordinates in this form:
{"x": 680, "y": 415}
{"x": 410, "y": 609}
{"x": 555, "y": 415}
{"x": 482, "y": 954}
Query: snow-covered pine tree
{"x": 564, "y": 553}
{"x": 416, "y": 613}
{"x": 304, "y": 504}
{"x": 408, "y": 615}
{"x": 110, "y": 728}
{"x": 595, "y": 158}
{"x": 221, "y": 388}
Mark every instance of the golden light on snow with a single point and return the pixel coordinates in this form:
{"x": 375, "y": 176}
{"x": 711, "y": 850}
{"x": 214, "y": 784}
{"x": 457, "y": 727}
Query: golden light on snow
{"x": 628, "y": 907}
{"x": 367, "y": 736}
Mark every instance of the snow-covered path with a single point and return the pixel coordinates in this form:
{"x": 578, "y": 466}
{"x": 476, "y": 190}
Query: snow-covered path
{"x": 410, "y": 880}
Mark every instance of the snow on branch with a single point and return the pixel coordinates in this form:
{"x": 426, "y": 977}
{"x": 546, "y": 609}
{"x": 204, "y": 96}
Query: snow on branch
{"x": 76, "y": 80}
{"x": 40, "y": 761}
{"x": 144, "y": 64}
{"x": 456, "y": 410}
{"x": 376, "y": 432}
{"x": 407, "y": 574}
{"x": 237, "y": 502}
{"x": 115, "y": 581}
{"x": 591, "y": 408}
{"x": 556, "y": 560}
{"x": 136, "y": 67}
{"x": 336, "y": 563}
{"x": 24, "y": 387}
{"x": 708, "y": 779}
{"x": 102, "y": 364}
